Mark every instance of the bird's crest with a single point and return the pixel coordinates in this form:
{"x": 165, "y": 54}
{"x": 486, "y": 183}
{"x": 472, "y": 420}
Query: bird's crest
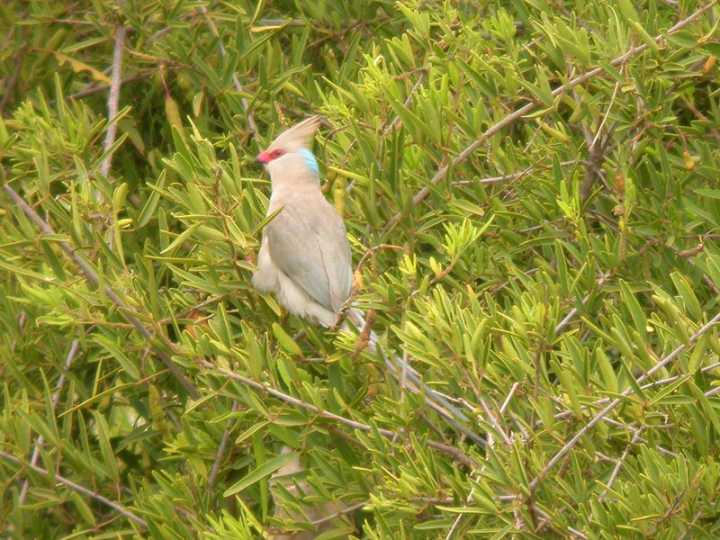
{"x": 298, "y": 136}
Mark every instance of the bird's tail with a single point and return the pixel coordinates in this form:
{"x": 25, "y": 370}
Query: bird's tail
{"x": 409, "y": 378}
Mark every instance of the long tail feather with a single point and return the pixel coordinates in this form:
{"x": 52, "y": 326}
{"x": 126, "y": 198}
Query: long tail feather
{"x": 407, "y": 375}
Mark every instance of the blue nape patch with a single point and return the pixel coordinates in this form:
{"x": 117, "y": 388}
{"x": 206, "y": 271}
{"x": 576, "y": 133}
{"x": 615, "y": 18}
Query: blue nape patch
{"x": 310, "y": 160}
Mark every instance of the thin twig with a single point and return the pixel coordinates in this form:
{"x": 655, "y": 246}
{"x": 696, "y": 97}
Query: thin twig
{"x": 91, "y": 276}
{"x": 605, "y": 117}
{"x": 494, "y": 423}
{"x": 408, "y": 100}
{"x": 653, "y": 384}
{"x": 597, "y": 152}
{"x": 346, "y": 510}
{"x": 96, "y": 88}
{"x": 501, "y": 498}
{"x": 501, "y": 178}
{"x": 9, "y": 84}
{"x": 615, "y": 402}
{"x": 511, "y": 118}
{"x": 403, "y": 376}
{"x": 220, "y": 455}
{"x": 574, "y": 311}
{"x": 236, "y": 82}
{"x": 619, "y": 463}
{"x": 511, "y": 393}
{"x": 113, "y": 98}
{"x": 77, "y": 487}
{"x": 74, "y": 346}
{"x": 454, "y": 452}
{"x": 410, "y": 378}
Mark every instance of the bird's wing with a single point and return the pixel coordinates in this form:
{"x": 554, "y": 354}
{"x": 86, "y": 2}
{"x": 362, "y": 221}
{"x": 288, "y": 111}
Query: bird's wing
{"x": 308, "y": 242}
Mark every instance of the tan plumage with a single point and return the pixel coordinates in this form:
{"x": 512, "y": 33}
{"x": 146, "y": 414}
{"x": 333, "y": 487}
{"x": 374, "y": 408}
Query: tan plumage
{"x": 304, "y": 256}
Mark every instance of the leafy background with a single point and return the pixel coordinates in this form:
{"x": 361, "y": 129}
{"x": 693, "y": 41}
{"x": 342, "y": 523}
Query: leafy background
{"x": 538, "y": 277}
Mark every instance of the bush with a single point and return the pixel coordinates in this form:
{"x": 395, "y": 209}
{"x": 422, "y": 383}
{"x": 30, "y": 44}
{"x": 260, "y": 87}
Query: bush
{"x": 531, "y": 194}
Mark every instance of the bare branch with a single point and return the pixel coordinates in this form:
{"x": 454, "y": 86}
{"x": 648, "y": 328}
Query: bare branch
{"x": 113, "y": 98}
{"x": 91, "y": 276}
{"x": 80, "y": 489}
{"x": 236, "y": 82}
{"x": 392, "y": 125}
{"x": 605, "y": 116}
{"x": 457, "y": 454}
{"x": 574, "y": 311}
{"x": 495, "y": 424}
{"x": 615, "y": 402}
{"x": 346, "y": 510}
{"x": 619, "y": 463}
{"x": 443, "y": 171}
{"x": 410, "y": 378}
{"x": 219, "y": 456}
{"x": 55, "y": 398}
{"x": 653, "y": 384}
{"x": 511, "y": 393}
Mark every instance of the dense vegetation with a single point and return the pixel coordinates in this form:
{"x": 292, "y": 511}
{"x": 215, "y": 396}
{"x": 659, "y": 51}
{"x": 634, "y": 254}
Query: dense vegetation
{"x": 552, "y": 275}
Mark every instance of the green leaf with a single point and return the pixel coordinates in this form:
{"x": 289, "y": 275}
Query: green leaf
{"x": 262, "y": 471}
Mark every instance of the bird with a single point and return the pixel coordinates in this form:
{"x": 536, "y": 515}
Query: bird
{"x": 305, "y": 257}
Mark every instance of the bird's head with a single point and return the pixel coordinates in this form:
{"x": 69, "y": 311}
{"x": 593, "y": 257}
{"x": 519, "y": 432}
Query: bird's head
{"x": 292, "y": 147}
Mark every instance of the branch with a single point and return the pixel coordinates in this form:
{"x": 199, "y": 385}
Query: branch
{"x": 574, "y": 311}
{"x": 92, "y": 277}
{"x": 619, "y": 463}
{"x": 615, "y": 402}
{"x": 442, "y": 172}
{"x": 408, "y": 377}
{"x": 9, "y": 84}
{"x": 661, "y": 382}
{"x": 236, "y": 82}
{"x": 80, "y": 489}
{"x": 55, "y": 398}
{"x": 113, "y": 98}
{"x": 220, "y": 453}
{"x": 391, "y": 126}
{"x": 455, "y": 453}
{"x": 96, "y": 88}
{"x": 346, "y": 510}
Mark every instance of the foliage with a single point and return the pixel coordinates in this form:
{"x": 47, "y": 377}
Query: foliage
{"x": 537, "y": 281}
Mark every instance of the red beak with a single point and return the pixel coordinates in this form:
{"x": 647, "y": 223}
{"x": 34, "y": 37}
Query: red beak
{"x": 263, "y": 157}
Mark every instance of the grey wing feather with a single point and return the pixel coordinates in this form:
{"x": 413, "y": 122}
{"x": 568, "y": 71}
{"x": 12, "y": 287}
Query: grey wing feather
{"x": 311, "y": 248}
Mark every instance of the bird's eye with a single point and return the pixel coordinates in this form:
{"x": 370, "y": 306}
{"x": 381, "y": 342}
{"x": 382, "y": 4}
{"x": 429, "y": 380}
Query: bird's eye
{"x": 276, "y": 153}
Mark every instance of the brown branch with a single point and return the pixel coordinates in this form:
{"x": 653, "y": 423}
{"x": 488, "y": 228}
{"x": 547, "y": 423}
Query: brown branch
{"x": 443, "y": 171}
{"x": 97, "y": 88}
{"x": 220, "y": 452}
{"x": 597, "y": 148}
{"x": 661, "y": 382}
{"x": 77, "y": 487}
{"x": 9, "y": 86}
{"x": 346, "y": 510}
{"x": 74, "y": 346}
{"x": 615, "y": 402}
{"x": 236, "y": 82}
{"x": 503, "y": 177}
{"x": 574, "y": 311}
{"x": 391, "y": 126}
{"x": 411, "y": 379}
{"x": 619, "y": 463}
{"x": 457, "y": 454}
{"x": 92, "y": 277}
{"x": 113, "y": 98}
